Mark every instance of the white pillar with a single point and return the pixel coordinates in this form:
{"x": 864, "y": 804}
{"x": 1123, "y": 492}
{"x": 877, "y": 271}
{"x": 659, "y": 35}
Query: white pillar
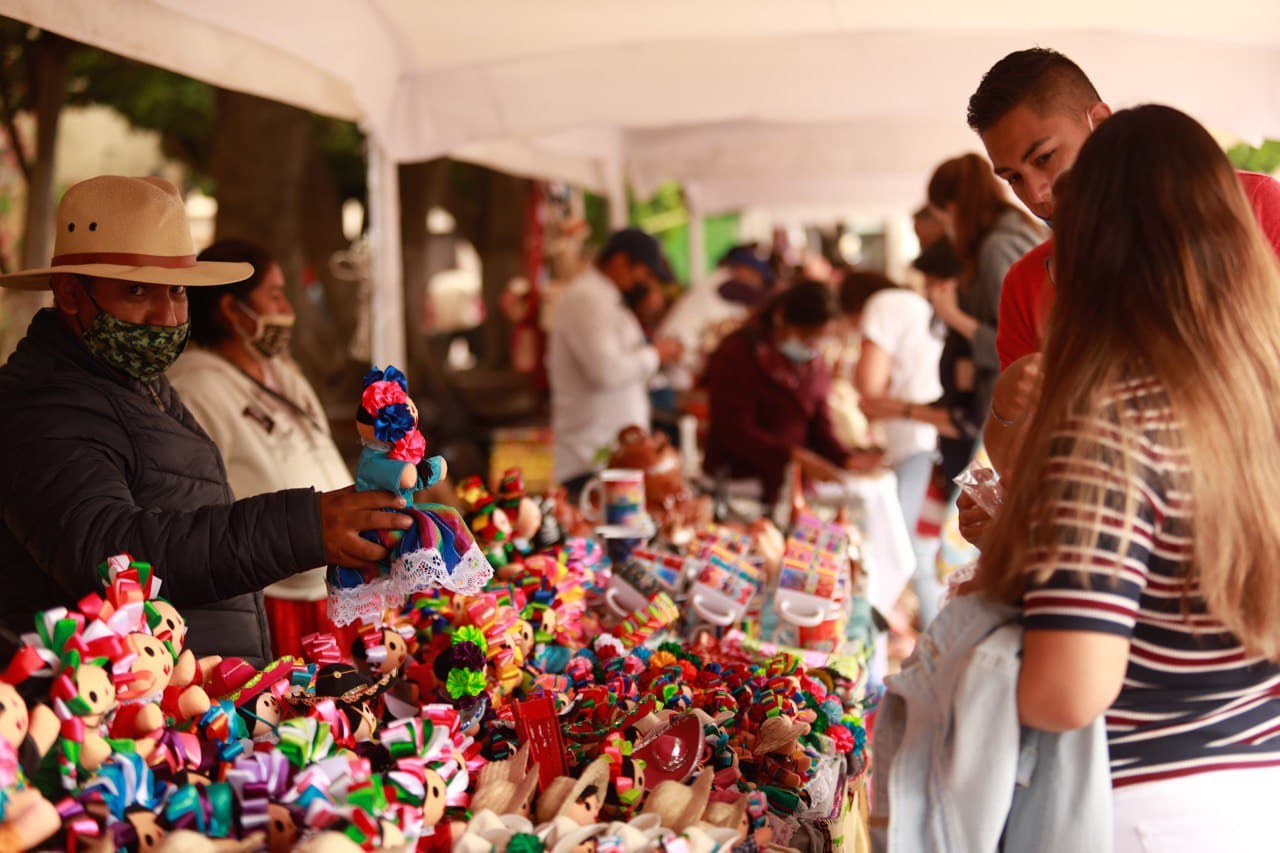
{"x": 616, "y": 194}
{"x": 386, "y": 294}
{"x": 697, "y": 235}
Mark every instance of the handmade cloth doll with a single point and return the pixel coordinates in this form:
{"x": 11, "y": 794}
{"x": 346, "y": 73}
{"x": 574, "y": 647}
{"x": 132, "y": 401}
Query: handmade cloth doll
{"x": 26, "y": 817}
{"x": 438, "y": 551}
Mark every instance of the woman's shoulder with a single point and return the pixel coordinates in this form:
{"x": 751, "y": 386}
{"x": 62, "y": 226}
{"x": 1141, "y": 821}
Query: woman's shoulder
{"x": 197, "y": 365}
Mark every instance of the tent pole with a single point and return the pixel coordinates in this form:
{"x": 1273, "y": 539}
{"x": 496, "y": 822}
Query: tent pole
{"x": 616, "y": 195}
{"x": 386, "y": 293}
{"x": 697, "y": 235}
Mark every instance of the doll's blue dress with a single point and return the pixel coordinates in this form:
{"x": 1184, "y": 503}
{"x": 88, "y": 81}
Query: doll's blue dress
{"x": 437, "y": 551}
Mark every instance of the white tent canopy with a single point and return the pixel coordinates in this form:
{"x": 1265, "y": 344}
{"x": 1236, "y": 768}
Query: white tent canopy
{"x": 761, "y": 102}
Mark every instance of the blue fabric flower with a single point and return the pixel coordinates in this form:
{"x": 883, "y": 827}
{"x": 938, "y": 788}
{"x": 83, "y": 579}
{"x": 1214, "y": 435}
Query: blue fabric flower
{"x": 391, "y": 374}
{"x": 392, "y": 423}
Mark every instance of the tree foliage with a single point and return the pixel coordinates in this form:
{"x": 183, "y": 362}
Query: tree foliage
{"x": 1265, "y": 158}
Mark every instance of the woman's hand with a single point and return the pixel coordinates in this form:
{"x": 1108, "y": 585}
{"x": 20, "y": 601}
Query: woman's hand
{"x": 973, "y": 519}
{"x": 815, "y": 467}
{"x": 864, "y": 461}
{"x": 945, "y": 299}
{"x": 882, "y": 408}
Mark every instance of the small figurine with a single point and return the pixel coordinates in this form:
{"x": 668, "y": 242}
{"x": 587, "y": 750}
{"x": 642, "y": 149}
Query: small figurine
{"x": 26, "y": 818}
{"x": 439, "y": 549}
{"x": 254, "y": 694}
{"x": 577, "y": 801}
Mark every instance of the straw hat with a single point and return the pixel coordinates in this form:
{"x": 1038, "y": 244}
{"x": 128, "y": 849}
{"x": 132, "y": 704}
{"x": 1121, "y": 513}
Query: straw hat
{"x": 564, "y": 843}
{"x": 565, "y": 790}
{"x": 133, "y": 229}
{"x": 779, "y": 734}
{"x": 726, "y": 815}
{"x": 503, "y": 785}
{"x": 488, "y": 831}
{"x": 678, "y": 805}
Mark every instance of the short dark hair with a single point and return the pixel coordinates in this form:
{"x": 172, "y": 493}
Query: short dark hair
{"x": 202, "y": 302}
{"x": 859, "y": 286}
{"x": 1039, "y": 76}
{"x": 806, "y": 303}
{"x": 939, "y": 260}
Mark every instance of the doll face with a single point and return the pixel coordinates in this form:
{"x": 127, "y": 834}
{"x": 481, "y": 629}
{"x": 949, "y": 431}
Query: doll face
{"x": 94, "y": 686}
{"x": 152, "y": 667}
{"x": 367, "y": 722}
{"x": 550, "y": 622}
{"x": 147, "y": 829}
{"x": 268, "y": 713}
{"x": 588, "y": 846}
{"x": 397, "y": 652}
{"x": 586, "y": 808}
{"x": 391, "y": 834}
{"x": 282, "y": 832}
{"x": 172, "y": 626}
{"x": 13, "y": 716}
{"x": 524, "y": 637}
{"x": 435, "y": 794}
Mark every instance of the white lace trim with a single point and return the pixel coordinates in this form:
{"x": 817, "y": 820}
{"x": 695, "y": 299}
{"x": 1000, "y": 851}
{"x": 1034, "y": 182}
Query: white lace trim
{"x": 413, "y": 572}
{"x": 364, "y": 603}
{"x": 419, "y": 570}
{"x": 471, "y": 573}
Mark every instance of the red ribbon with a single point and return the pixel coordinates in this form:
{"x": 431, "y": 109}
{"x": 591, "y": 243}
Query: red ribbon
{"x": 128, "y": 259}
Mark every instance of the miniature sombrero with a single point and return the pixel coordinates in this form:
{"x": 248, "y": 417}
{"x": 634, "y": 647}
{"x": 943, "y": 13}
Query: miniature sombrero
{"x": 345, "y": 685}
{"x": 680, "y": 806}
{"x": 134, "y": 229}
{"x": 565, "y": 790}
{"x": 236, "y": 680}
{"x": 671, "y": 752}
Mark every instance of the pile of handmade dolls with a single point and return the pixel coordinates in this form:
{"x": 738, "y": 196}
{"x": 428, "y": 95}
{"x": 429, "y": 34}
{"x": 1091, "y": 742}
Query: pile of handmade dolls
{"x": 526, "y": 717}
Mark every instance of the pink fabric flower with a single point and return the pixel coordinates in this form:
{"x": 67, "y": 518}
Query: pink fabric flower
{"x": 411, "y": 448}
{"x": 380, "y": 394}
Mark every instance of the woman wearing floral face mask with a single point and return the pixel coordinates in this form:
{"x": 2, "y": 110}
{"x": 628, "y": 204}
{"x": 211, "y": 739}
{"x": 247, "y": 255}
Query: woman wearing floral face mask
{"x": 256, "y": 405}
{"x": 768, "y": 388}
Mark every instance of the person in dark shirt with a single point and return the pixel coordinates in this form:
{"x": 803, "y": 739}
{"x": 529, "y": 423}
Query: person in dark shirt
{"x": 768, "y": 386}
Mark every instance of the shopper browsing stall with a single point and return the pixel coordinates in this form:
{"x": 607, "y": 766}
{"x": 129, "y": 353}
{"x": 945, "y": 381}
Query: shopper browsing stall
{"x": 1139, "y": 529}
{"x": 100, "y": 456}
{"x": 897, "y": 378}
{"x": 1033, "y": 110}
{"x": 768, "y": 396}
{"x": 253, "y": 401}
{"x": 599, "y": 363}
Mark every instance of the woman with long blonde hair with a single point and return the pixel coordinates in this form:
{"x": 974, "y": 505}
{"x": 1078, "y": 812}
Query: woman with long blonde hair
{"x": 1141, "y": 524}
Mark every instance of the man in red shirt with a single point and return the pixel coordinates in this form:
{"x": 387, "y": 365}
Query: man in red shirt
{"x": 1034, "y": 110}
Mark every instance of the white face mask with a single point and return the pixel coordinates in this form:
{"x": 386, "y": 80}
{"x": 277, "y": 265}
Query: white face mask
{"x": 272, "y": 332}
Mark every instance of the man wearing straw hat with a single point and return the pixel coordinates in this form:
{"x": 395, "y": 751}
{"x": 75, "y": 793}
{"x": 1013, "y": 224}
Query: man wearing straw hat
{"x": 98, "y": 455}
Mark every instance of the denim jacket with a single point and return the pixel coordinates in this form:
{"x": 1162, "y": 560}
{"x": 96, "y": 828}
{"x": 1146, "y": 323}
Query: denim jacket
{"x": 956, "y": 772}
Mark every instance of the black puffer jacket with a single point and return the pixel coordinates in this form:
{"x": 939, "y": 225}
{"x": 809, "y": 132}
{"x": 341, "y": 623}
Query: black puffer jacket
{"x": 93, "y": 464}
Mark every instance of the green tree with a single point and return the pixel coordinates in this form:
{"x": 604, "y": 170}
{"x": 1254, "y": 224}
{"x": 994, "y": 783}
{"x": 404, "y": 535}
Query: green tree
{"x": 1265, "y": 158}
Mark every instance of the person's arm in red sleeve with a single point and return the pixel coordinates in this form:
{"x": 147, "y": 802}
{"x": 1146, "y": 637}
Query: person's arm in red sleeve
{"x": 1017, "y": 333}
{"x": 1263, "y": 192}
{"x": 733, "y": 392}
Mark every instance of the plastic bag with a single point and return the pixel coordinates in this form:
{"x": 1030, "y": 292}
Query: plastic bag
{"x": 982, "y": 483}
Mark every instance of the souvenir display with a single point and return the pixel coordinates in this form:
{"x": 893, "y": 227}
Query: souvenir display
{"x": 565, "y": 703}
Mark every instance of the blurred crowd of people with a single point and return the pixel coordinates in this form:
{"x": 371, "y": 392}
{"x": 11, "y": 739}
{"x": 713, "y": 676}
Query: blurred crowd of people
{"x": 831, "y": 368}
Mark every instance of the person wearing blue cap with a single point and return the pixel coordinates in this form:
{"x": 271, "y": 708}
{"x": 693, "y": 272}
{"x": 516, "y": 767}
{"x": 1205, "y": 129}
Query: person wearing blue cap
{"x": 599, "y": 363}
{"x": 716, "y": 305}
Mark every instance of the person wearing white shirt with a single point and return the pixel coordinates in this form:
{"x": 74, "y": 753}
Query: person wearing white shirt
{"x": 253, "y": 401}
{"x": 599, "y": 363}
{"x": 899, "y": 361}
{"x": 713, "y": 307}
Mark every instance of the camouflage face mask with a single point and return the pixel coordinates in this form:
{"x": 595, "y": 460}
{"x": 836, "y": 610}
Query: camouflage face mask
{"x": 140, "y": 350}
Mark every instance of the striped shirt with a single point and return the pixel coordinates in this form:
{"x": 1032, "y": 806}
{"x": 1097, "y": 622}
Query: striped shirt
{"x": 1193, "y": 700}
